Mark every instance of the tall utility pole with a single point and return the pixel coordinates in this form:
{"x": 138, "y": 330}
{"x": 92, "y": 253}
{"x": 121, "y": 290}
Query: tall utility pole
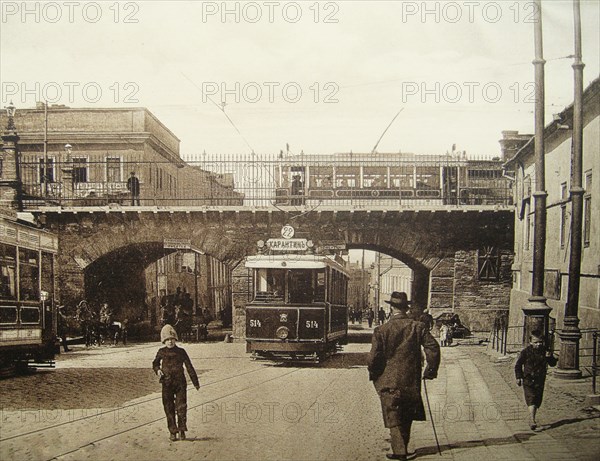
{"x": 568, "y": 364}
{"x": 378, "y": 293}
{"x": 536, "y": 310}
{"x": 45, "y": 169}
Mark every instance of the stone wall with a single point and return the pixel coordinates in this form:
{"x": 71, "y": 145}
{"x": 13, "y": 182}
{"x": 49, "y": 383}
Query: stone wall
{"x": 479, "y": 302}
{"x": 239, "y": 292}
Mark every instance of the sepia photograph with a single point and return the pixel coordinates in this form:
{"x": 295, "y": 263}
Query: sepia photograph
{"x": 299, "y": 230}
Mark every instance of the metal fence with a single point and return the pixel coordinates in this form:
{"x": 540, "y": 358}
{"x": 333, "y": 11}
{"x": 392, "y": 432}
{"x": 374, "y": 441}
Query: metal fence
{"x": 359, "y": 181}
{"x": 505, "y": 339}
{"x": 588, "y": 351}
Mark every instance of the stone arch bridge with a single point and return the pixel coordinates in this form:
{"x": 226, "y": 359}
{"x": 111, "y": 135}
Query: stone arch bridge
{"x": 444, "y": 246}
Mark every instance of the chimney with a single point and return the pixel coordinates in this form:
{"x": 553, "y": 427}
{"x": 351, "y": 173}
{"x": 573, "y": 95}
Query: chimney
{"x": 511, "y": 142}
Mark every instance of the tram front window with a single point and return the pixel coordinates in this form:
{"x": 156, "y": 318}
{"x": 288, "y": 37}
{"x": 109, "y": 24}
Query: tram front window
{"x": 270, "y": 284}
{"x": 300, "y": 283}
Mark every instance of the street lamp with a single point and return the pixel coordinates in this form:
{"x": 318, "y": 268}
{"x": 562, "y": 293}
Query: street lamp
{"x": 44, "y": 298}
{"x": 10, "y": 112}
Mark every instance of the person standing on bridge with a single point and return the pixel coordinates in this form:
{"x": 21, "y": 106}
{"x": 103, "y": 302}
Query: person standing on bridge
{"x": 395, "y": 368}
{"x": 133, "y": 186}
{"x": 168, "y": 365}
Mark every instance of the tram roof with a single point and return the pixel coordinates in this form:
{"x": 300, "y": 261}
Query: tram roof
{"x": 292, "y": 261}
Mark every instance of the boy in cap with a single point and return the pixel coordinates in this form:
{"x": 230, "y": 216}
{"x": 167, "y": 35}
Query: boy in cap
{"x": 530, "y": 372}
{"x": 168, "y": 365}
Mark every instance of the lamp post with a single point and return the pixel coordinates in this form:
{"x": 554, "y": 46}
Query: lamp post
{"x": 67, "y": 169}
{"x": 10, "y": 177}
{"x": 568, "y": 364}
{"x": 43, "y": 298}
{"x": 536, "y": 311}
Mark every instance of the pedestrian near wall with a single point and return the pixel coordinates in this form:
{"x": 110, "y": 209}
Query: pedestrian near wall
{"x": 381, "y": 316}
{"x": 370, "y": 317}
{"x": 395, "y": 368}
{"x": 168, "y": 365}
{"x": 530, "y": 371}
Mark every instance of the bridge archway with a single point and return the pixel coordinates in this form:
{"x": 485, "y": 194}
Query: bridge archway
{"x": 420, "y": 280}
{"x": 118, "y": 279}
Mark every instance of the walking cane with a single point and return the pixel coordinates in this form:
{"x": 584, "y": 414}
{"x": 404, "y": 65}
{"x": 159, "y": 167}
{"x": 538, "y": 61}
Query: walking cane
{"x": 431, "y": 417}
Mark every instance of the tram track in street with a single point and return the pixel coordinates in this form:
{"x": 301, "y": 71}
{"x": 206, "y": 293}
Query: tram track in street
{"x": 156, "y": 420}
{"x": 124, "y": 407}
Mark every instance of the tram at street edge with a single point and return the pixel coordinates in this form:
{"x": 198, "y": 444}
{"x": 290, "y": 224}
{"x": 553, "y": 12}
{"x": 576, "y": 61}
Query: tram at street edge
{"x": 28, "y": 321}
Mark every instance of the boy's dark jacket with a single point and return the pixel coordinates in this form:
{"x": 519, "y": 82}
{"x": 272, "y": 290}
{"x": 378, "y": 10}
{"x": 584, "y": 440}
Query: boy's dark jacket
{"x": 532, "y": 364}
{"x": 173, "y": 359}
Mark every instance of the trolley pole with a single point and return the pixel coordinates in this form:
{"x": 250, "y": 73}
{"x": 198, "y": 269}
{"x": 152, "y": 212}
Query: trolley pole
{"x": 536, "y": 310}
{"x": 568, "y": 363}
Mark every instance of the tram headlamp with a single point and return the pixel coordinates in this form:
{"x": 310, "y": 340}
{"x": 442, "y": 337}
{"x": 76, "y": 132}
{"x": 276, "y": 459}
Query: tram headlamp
{"x": 282, "y": 332}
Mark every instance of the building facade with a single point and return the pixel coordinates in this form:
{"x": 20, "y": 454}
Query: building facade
{"x": 206, "y": 279}
{"x": 83, "y": 156}
{"x": 558, "y": 145}
{"x": 358, "y": 286}
{"x": 389, "y": 275}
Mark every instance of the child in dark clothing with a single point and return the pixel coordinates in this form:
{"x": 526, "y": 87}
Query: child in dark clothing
{"x": 168, "y": 365}
{"x": 530, "y": 371}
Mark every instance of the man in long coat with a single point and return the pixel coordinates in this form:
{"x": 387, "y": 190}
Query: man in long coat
{"x": 395, "y": 368}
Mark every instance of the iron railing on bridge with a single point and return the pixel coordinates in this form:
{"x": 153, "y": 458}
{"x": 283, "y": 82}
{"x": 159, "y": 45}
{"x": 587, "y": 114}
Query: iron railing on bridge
{"x": 348, "y": 179}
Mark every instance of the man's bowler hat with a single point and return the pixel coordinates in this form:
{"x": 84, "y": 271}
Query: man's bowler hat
{"x": 399, "y": 299}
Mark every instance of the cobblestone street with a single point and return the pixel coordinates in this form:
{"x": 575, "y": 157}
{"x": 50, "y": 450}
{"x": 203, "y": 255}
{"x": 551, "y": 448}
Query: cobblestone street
{"x": 104, "y": 403}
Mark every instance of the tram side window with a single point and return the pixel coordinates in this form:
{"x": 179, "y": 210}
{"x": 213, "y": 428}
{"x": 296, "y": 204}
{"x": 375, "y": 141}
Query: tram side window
{"x": 48, "y": 274}
{"x": 29, "y": 274}
{"x": 8, "y": 286}
{"x": 8, "y": 314}
{"x": 30, "y": 315}
{"x": 336, "y": 287}
{"x": 320, "y": 286}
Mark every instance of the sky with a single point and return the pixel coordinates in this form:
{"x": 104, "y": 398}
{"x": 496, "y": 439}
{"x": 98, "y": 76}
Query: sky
{"x": 317, "y": 77}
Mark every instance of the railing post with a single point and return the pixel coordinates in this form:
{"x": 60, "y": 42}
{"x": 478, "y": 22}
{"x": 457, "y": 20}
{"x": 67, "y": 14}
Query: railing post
{"x": 505, "y": 335}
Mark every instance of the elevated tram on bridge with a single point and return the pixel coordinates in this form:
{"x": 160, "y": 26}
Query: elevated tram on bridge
{"x": 298, "y": 308}
{"x": 385, "y": 178}
{"x": 28, "y": 321}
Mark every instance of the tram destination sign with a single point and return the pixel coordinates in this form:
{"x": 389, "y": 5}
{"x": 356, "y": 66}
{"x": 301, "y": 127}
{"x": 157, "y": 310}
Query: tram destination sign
{"x": 287, "y": 244}
{"x": 333, "y": 245}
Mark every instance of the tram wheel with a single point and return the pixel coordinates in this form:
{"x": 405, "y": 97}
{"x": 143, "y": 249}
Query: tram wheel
{"x": 7, "y": 370}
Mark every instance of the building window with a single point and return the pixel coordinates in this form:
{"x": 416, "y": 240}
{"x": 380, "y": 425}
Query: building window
{"x": 563, "y": 214}
{"x": 587, "y": 209}
{"x": 80, "y": 169}
{"x": 113, "y": 169}
{"x": 49, "y": 170}
{"x": 527, "y": 186}
{"x": 489, "y": 264}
